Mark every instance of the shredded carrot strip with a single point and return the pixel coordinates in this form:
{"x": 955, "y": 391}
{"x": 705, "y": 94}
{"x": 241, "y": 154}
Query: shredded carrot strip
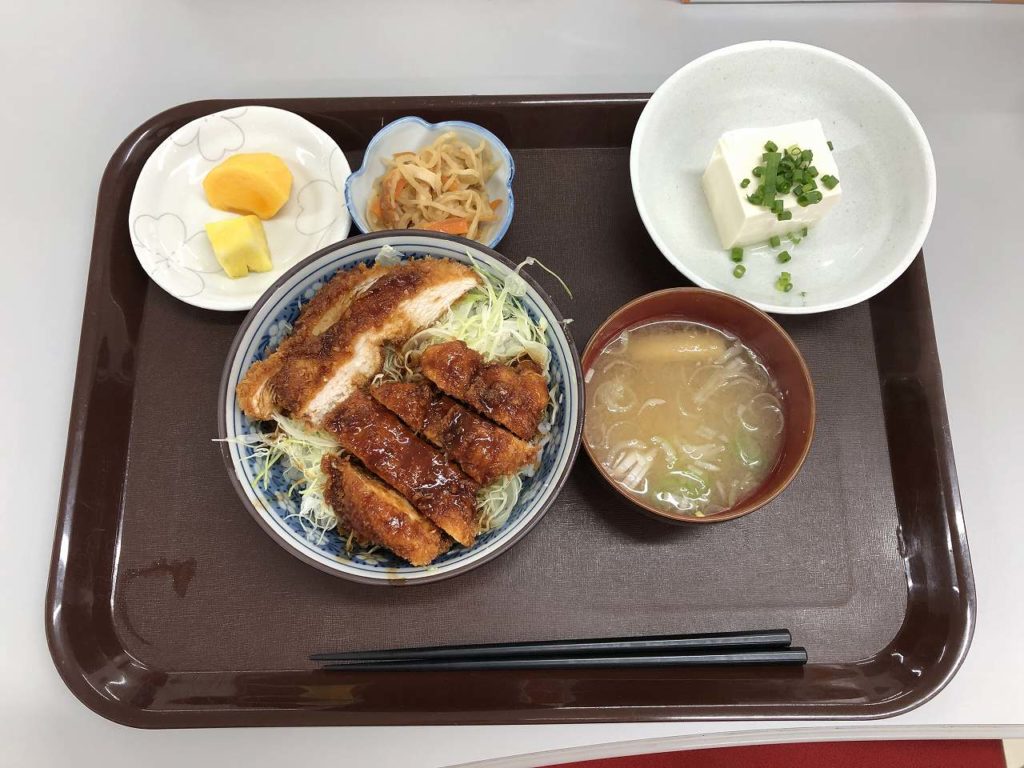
{"x": 451, "y": 226}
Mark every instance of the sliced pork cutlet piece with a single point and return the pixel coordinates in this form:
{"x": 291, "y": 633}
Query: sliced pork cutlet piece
{"x": 484, "y": 450}
{"x": 322, "y": 371}
{"x": 255, "y": 398}
{"x": 413, "y": 467}
{"x": 514, "y": 395}
{"x": 377, "y": 514}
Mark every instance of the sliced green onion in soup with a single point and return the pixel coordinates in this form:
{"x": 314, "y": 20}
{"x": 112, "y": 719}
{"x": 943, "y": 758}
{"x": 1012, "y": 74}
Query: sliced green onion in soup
{"x": 689, "y": 483}
{"x": 748, "y": 450}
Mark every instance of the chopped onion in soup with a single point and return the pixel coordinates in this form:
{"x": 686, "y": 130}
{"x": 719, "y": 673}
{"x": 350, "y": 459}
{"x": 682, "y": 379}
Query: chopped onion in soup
{"x": 683, "y": 416}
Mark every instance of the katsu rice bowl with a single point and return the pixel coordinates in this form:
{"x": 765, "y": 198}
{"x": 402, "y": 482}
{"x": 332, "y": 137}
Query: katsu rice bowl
{"x": 401, "y": 407}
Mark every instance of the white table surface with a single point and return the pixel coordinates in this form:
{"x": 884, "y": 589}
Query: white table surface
{"x": 77, "y": 77}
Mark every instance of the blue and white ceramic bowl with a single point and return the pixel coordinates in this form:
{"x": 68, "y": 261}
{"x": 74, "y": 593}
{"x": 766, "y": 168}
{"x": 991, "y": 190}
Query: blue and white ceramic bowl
{"x": 414, "y": 133}
{"x": 273, "y": 507}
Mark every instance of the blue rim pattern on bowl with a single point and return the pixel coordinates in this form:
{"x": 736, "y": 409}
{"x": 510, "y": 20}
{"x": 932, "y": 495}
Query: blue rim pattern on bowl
{"x": 370, "y": 156}
{"x": 273, "y": 504}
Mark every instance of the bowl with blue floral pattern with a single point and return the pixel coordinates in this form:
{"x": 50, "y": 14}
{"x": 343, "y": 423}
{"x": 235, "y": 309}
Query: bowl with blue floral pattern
{"x": 411, "y": 134}
{"x": 270, "y": 492}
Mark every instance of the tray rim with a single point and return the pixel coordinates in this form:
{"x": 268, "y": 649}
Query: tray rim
{"x": 76, "y": 672}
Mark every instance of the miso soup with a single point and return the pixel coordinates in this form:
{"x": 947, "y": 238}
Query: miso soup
{"x": 683, "y": 416}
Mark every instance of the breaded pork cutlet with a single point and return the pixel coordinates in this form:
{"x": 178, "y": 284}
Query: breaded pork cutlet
{"x": 484, "y": 450}
{"x": 316, "y": 372}
{"x": 376, "y": 514}
{"x": 413, "y": 467}
{"x": 325, "y": 309}
{"x": 514, "y": 395}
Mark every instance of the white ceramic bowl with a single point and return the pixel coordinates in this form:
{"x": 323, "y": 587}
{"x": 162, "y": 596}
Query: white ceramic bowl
{"x": 414, "y": 133}
{"x": 169, "y": 211}
{"x": 885, "y": 165}
{"x": 273, "y": 503}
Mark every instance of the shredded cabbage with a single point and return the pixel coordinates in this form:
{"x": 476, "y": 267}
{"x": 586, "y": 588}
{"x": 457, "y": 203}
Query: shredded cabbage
{"x": 387, "y": 257}
{"x": 490, "y": 319}
{"x": 303, "y": 449}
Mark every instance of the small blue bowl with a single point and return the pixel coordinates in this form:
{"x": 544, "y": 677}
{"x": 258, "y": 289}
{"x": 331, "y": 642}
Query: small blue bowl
{"x": 414, "y": 133}
{"x": 273, "y": 503}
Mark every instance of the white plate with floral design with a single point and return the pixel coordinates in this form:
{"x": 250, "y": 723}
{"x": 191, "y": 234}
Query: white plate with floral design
{"x": 169, "y": 211}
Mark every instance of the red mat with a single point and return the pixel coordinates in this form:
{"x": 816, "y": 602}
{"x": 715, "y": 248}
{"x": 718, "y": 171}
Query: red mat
{"x": 852, "y": 754}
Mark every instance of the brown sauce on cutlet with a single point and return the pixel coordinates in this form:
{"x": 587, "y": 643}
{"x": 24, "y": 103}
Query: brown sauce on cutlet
{"x": 482, "y": 449}
{"x": 370, "y": 310}
{"x": 377, "y": 514}
{"x": 514, "y": 397}
{"x": 312, "y": 362}
{"x": 452, "y": 365}
{"x": 416, "y": 469}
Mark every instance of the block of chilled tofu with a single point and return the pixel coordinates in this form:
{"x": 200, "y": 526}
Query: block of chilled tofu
{"x": 741, "y": 223}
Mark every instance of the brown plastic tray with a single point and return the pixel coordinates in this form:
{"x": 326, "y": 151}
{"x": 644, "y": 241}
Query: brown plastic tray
{"x": 168, "y": 607}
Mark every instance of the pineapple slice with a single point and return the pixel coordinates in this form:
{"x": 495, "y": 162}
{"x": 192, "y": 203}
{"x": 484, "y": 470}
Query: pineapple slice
{"x": 240, "y": 245}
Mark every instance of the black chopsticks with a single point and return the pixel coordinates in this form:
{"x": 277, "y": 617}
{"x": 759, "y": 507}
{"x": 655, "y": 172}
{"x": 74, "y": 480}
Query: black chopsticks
{"x": 719, "y": 649}
{"x": 772, "y": 638}
{"x": 743, "y": 657}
